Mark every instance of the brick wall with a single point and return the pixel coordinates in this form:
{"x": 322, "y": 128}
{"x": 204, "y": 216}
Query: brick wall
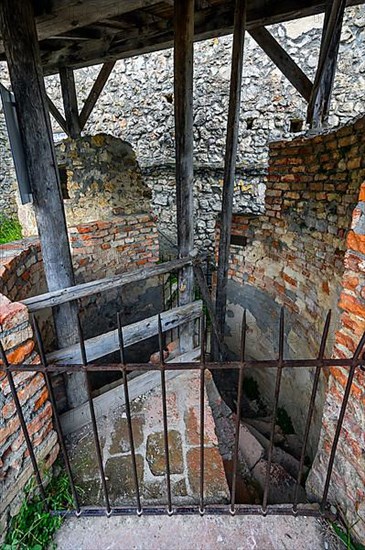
{"x": 106, "y": 248}
{"x": 347, "y": 487}
{"x": 15, "y": 468}
{"x": 295, "y": 255}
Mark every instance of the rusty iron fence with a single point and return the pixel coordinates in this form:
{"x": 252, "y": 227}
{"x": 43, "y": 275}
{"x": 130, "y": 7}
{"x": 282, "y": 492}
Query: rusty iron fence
{"x": 293, "y": 508}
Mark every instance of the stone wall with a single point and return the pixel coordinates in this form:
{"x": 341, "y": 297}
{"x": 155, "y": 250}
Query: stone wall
{"x": 139, "y": 108}
{"x": 100, "y": 178}
{"x": 294, "y": 257}
{"x": 347, "y": 488}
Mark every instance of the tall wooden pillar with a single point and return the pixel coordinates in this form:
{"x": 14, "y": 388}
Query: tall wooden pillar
{"x": 183, "y": 82}
{"x": 230, "y": 165}
{"x": 19, "y": 36}
{"x": 319, "y": 104}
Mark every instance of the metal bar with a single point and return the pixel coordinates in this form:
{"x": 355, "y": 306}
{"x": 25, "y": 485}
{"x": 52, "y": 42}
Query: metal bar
{"x": 340, "y": 420}
{"x": 277, "y": 392}
{"x": 321, "y": 353}
{"x": 93, "y": 419}
{"x": 249, "y": 510}
{"x": 238, "y": 415}
{"x": 189, "y": 365}
{"x": 128, "y": 413}
{"x": 23, "y": 424}
{"x": 202, "y": 398}
{"x": 56, "y": 417}
{"x": 164, "y": 416}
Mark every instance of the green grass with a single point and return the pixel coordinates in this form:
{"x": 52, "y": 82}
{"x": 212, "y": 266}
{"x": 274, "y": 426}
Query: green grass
{"x": 10, "y": 230}
{"x": 345, "y": 537}
{"x": 33, "y": 528}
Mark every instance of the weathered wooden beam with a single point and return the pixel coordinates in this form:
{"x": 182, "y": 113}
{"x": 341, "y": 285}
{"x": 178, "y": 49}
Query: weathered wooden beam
{"x": 61, "y": 16}
{"x": 283, "y": 61}
{"x": 209, "y": 23}
{"x": 57, "y": 115}
{"x": 202, "y": 284}
{"x": 183, "y": 103}
{"x": 102, "y": 345}
{"x": 69, "y": 97}
{"x": 70, "y": 294}
{"x": 95, "y": 92}
{"x": 22, "y": 52}
{"x": 230, "y": 165}
{"x": 320, "y": 100}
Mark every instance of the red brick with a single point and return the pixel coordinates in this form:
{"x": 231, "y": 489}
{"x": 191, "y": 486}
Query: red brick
{"x": 356, "y": 242}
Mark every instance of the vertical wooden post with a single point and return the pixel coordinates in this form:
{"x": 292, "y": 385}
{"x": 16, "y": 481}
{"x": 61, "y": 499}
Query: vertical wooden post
{"x": 69, "y": 97}
{"x": 183, "y": 82}
{"x": 230, "y": 166}
{"x": 319, "y": 104}
{"x": 19, "y": 36}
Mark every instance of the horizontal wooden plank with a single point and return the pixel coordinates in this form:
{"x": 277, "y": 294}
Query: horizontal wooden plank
{"x": 69, "y": 294}
{"x": 78, "y": 418}
{"x": 102, "y": 345}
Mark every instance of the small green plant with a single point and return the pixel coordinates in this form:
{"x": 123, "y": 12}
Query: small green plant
{"x": 345, "y": 537}
{"x": 33, "y": 528}
{"x": 284, "y": 421}
{"x": 10, "y": 230}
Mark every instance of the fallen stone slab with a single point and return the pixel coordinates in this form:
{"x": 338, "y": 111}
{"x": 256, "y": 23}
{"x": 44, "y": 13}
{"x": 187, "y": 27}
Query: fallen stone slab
{"x": 250, "y": 448}
{"x": 279, "y": 456}
{"x": 263, "y": 425}
{"x": 282, "y": 485}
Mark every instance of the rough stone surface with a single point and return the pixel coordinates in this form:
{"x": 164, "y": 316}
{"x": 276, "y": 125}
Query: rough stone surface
{"x": 186, "y": 533}
{"x": 182, "y": 394}
{"x": 155, "y": 453}
{"x": 102, "y": 180}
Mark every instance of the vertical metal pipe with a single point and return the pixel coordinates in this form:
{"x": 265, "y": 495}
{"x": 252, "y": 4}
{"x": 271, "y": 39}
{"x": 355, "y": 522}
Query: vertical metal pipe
{"x": 238, "y": 414}
{"x": 202, "y": 404}
{"x": 164, "y": 416}
{"x": 93, "y": 419}
{"x": 322, "y": 350}
{"x": 340, "y": 419}
{"x": 276, "y": 400}
{"x": 23, "y": 425}
{"x": 128, "y": 413}
{"x": 56, "y": 417}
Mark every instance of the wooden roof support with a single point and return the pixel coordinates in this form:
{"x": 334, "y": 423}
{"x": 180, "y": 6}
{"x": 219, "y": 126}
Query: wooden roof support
{"x": 69, "y": 97}
{"x": 283, "y": 61}
{"x": 183, "y": 82}
{"x": 57, "y": 115}
{"x": 22, "y": 52}
{"x": 95, "y": 92}
{"x": 319, "y": 104}
{"x": 230, "y": 165}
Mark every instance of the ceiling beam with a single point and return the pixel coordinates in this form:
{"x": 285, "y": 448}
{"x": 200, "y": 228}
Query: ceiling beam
{"x": 283, "y": 61}
{"x": 319, "y": 105}
{"x": 209, "y": 23}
